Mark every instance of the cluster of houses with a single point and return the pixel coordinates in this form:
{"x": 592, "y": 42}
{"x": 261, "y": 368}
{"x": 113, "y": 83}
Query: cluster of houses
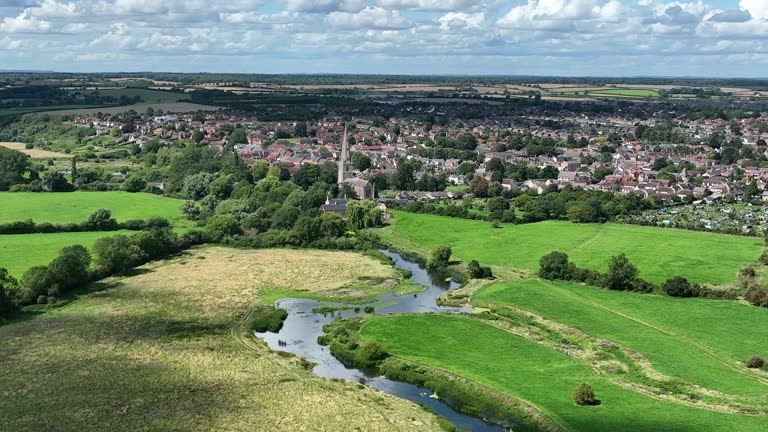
{"x": 629, "y": 167}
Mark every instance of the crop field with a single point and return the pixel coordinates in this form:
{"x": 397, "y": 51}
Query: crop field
{"x": 539, "y": 376}
{"x": 168, "y": 350}
{"x": 34, "y": 153}
{"x": 659, "y": 253}
{"x": 22, "y": 251}
{"x": 75, "y": 207}
{"x": 671, "y": 332}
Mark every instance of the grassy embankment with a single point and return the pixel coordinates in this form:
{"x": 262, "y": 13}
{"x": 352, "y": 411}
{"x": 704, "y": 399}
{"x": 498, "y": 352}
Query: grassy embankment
{"x": 19, "y": 252}
{"x": 658, "y": 253}
{"x": 169, "y": 350}
{"x": 539, "y": 375}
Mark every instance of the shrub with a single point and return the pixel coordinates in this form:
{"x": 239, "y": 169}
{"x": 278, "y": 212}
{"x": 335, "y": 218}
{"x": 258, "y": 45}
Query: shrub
{"x": 757, "y": 296}
{"x": 584, "y": 395}
{"x": 221, "y": 226}
{"x": 755, "y": 362}
{"x": 370, "y": 354}
{"x": 555, "y": 265}
{"x": 268, "y": 319}
{"x": 621, "y": 274}
{"x": 478, "y": 272}
{"x": 680, "y": 287}
{"x": 440, "y": 259}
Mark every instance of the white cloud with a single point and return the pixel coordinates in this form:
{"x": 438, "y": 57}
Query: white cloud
{"x": 757, "y": 8}
{"x": 324, "y": 6}
{"x": 370, "y": 17}
{"x": 433, "y": 5}
{"x": 24, "y": 23}
{"x": 462, "y": 20}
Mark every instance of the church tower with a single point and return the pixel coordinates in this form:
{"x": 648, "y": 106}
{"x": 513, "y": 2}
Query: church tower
{"x": 344, "y": 159}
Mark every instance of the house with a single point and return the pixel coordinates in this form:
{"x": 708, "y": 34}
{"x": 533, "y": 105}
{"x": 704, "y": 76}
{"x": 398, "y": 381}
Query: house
{"x": 335, "y": 205}
{"x": 363, "y": 188}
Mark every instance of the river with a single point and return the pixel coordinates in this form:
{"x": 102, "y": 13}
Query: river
{"x": 303, "y": 326}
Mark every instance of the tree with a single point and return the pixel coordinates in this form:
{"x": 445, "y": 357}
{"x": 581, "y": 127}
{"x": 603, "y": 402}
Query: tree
{"x": 679, "y": 286}
{"x": 466, "y": 168}
{"x": 403, "y": 178}
{"x": 441, "y": 257}
{"x": 223, "y": 225}
{"x": 308, "y": 229}
{"x": 360, "y": 161}
{"x": 117, "y": 254}
{"x": 13, "y": 165}
{"x": 156, "y": 242}
{"x": 198, "y": 136}
{"x": 332, "y": 225}
{"x": 307, "y": 175}
{"x": 35, "y": 285}
{"x": 8, "y": 287}
{"x": 134, "y": 183}
{"x": 497, "y": 204}
{"x": 363, "y": 214}
{"x": 69, "y": 270}
{"x": 238, "y": 136}
{"x": 300, "y": 130}
{"x": 259, "y": 169}
{"x": 476, "y": 271}
{"x": 196, "y": 186}
{"x": 583, "y": 394}
{"x": 285, "y": 217}
{"x": 555, "y": 266}
{"x": 479, "y": 186}
{"x": 752, "y": 189}
{"x": 191, "y": 210}
{"x": 621, "y": 273}
{"x": 54, "y": 181}
{"x": 221, "y": 188}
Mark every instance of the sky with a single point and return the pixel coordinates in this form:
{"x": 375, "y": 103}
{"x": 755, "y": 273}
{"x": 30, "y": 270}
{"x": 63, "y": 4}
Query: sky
{"x": 703, "y": 38}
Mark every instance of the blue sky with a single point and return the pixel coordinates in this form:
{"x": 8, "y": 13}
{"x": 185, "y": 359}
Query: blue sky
{"x": 718, "y": 38}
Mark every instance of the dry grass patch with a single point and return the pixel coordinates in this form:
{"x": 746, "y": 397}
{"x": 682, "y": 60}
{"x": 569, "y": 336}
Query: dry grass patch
{"x": 163, "y": 351}
{"x": 33, "y": 153}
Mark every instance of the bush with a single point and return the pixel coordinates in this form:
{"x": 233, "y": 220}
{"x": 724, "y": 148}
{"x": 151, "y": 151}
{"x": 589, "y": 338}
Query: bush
{"x": 621, "y": 274}
{"x": 268, "y": 319}
{"x": 370, "y": 354}
{"x": 220, "y": 226}
{"x": 440, "y": 259}
{"x": 478, "y": 272}
{"x": 117, "y": 254}
{"x": 584, "y": 395}
{"x": 755, "y": 362}
{"x": 757, "y": 296}
{"x": 555, "y": 265}
{"x": 680, "y": 287}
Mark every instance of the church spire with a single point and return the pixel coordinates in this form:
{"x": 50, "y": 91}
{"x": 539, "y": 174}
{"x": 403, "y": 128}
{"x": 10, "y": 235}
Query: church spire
{"x": 343, "y": 158}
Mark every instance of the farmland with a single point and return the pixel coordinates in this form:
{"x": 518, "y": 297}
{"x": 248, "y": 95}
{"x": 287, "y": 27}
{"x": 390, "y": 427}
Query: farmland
{"x": 77, "y": 206}
{"x": 668, "y": 331}
{"x": 146, "y": 95}
{"x": 19, "y": 252}
{"x": 168, "y": 350}
{"x": 168, "y": 107}
{"x": 658, "y": 253}
{"x": 625, "y": 92}
{"x": 538, "y": 375}
{"x": 22, "y": 251}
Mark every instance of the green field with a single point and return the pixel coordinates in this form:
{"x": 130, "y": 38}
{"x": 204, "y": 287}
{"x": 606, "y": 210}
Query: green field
{"x": 659, "y": 253}
{"x": 77, "y": 206}
{"x": 626, "y": 92}
{"x": 20, "y": 252}
{"x": 674, "y": 334}
{"x": 147, "y": 95}
{"x": 540, "y": 376}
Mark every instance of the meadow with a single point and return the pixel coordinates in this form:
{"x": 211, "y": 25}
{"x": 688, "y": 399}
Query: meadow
{"x": 626, "y": 92}
{"x": 659, "y": 253}
{"x": 538, "y": 375}
{"x": 674, "y": 334}
{"x": 168, "y": 349}
{"x": 20, "y": 252}
{"x": 75, "y": 207}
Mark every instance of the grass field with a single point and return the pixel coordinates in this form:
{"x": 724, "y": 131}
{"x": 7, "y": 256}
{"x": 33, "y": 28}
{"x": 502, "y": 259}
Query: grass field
{"x": 20, "y": 252}
{"x": 77, "y": 206}
{"x": 540, "y": 376}
{"x": 34, "y": 153}
{"x": 688, "y": 339}
{"x": 166, "y": 350}
{"x": 626, "y": 92}
{"x": 659, "y": 253}
{"x": 168, "y": 107}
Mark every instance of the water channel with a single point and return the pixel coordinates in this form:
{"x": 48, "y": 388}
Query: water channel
{"x": 303, "y": 326}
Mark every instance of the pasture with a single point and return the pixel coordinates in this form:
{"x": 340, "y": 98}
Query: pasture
{"x": 75, "y": 207}
{"x": 674, "y": 334}
{"x": 626, "y": 92}
{"x": 539, "y": 376}
{"x": 659, "y": 253}
{"x": 20, "y": 252}
{"x": 169, "y": 350}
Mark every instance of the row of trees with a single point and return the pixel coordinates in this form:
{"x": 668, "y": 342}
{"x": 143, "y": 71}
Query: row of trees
{"x": 622, "y": 275}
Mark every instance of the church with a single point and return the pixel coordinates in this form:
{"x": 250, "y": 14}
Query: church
{"x": 362, "y": 187}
